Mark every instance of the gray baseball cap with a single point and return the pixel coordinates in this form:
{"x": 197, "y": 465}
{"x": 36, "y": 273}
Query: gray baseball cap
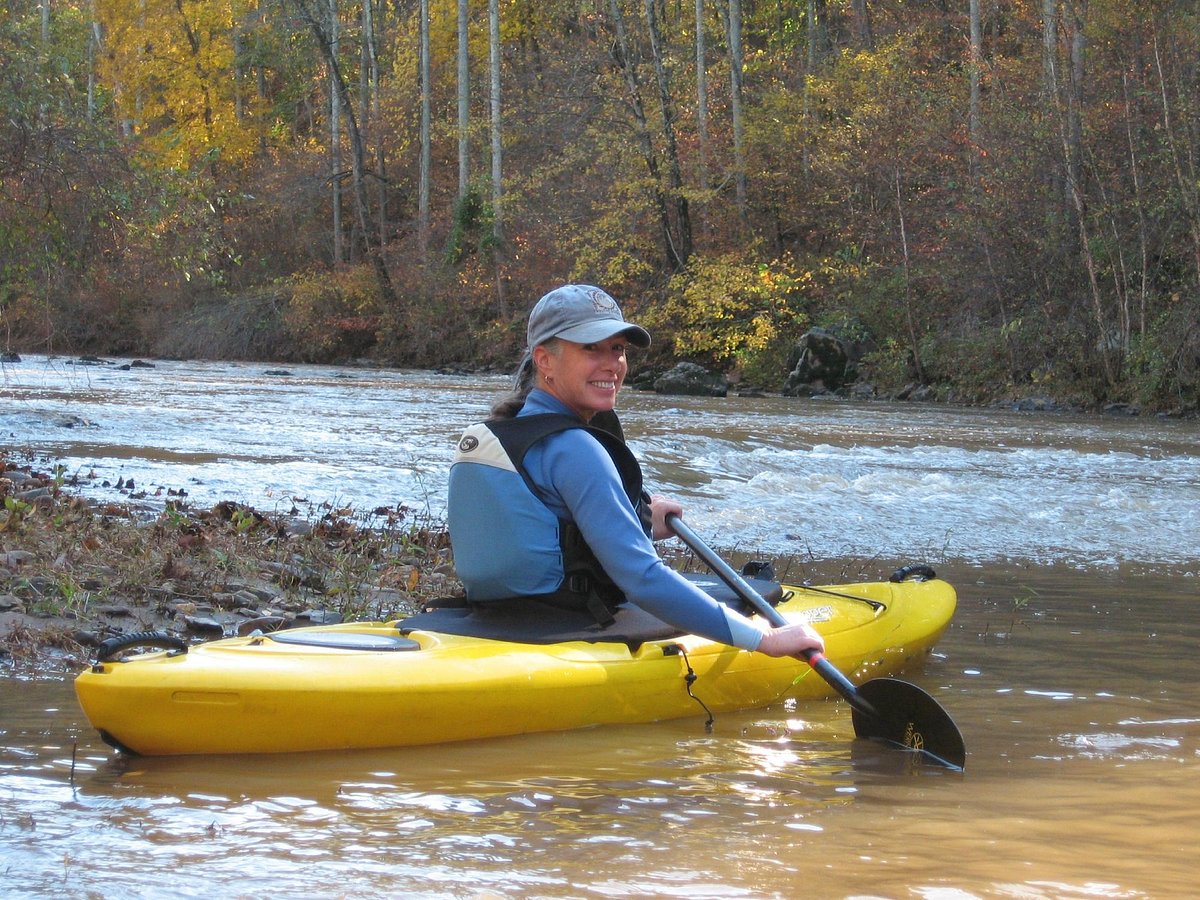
{"x": 583, "y": 314}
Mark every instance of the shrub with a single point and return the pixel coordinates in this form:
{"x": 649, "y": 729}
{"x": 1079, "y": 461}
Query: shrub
{"x": 732, "y": 313}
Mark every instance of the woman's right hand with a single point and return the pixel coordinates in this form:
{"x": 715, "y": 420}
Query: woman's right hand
{"x": 791, "y": 640}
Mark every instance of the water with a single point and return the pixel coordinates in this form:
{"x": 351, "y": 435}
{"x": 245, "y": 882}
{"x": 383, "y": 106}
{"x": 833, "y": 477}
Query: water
{"x": 1075, "y": 693}
{"x": 1069, "y": 666}
{"x": 785, "y": 477}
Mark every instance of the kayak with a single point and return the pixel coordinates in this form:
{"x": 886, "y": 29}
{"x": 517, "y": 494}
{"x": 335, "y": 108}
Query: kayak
{"x": 456, "y": 674}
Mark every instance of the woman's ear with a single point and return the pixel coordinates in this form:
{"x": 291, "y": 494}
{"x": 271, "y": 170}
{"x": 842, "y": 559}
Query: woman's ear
{"x": 543, "y": 360}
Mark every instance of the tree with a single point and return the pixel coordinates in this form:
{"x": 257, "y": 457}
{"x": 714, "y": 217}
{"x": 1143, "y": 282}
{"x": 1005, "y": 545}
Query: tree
{"x": 733, "y": 36}
{"x": 342, "y": 94}
{"x": 173, "y": 68}
{"x": 464, "y": 98}
{"x": 621, "y": 55}
{"x": 423, "y": 184}
{"x": 683, "y": 222}
{"x": 498, "y": 211}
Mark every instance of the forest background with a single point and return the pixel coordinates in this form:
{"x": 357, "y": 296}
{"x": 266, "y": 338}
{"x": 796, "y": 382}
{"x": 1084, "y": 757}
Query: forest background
{"x": 991, "y": 198}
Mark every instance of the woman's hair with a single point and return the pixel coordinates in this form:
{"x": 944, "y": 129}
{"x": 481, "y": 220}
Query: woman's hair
{"x": 525, "y": 380}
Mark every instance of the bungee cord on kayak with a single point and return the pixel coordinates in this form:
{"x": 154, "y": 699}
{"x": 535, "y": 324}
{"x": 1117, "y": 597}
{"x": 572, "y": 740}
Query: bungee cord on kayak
{"x": 690, "y": 679}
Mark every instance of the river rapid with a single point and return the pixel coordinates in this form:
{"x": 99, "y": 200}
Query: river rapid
{"x": 818, "y": 478}
{"x": 1073, "y": 541}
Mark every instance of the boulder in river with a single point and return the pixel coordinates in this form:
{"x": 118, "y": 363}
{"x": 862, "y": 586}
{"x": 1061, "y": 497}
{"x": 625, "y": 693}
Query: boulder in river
{"x": 692, "y": 380}
{"x": 820, "y": 363}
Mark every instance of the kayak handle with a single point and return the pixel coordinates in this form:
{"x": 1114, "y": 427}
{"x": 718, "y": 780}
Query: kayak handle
{"x": 160, "y": 640}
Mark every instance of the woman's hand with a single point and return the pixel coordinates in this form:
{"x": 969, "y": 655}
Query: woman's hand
{"x": 660, "y": 508}
{"x": 791, "y": 640}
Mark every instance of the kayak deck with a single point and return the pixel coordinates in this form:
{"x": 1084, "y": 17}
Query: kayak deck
{"x": 376, "y": 684}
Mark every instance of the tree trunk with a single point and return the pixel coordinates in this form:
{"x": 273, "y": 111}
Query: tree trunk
{"x": 497, "y": 151}
{"x": 358, "y": 153}
{"x": 426, "y": 152}
{"x": 464, "y": 98}
{"x": 1078, "y": 13}
{"x": 733, "y": 35}
{"x": 910, "y": 318}
{"x": 864, "y": 34}
{"x": 683, "y": 220}
{"x": 701, "y": 97}
{"x": 1139, "y": 205}
{"x": 371, "y": 29}
{"x": 976, "y": 65}
{"x": 1186, "y": 182}
{"x": 93, "y": 48}
{"x": 620, "y": 52}
{"x": 335, "y": 134}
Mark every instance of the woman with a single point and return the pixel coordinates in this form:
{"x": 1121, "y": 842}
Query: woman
{"x": 546, "y": 501}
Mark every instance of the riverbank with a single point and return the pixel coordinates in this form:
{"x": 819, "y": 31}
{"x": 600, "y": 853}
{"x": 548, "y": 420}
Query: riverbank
{"x": 75, "y": 572}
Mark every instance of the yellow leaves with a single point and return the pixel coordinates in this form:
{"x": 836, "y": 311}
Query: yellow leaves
{"x": 728, "y": 309}
{"x": 173, "y": 70}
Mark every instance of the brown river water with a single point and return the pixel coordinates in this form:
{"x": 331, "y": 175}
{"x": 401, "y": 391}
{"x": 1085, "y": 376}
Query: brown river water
{"x": 1070, "y": 668}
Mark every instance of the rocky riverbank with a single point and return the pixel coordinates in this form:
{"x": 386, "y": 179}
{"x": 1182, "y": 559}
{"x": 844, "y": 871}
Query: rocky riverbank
{"x": 74, "y": 573}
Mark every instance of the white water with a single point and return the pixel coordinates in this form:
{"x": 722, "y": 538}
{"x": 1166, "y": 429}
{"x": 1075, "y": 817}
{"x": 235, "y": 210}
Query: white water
{"x": 776, "y": 476}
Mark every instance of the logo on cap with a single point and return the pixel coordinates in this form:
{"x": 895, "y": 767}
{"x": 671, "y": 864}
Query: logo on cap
{"x": 601, "y": 302}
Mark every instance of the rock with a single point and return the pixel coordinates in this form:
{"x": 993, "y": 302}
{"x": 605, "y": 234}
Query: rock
{"x": 222, "y": 600}
{"x": 13, "y": 559}
{"x": 691, "y": 380}
{"x": 820, "y": 363}
{"x": 86, "y": 637}
{"x": 1121, "y": 409}
{"x": 204, "y": 627}
{"x": 1035, "y": 404}
{"x": 10, "y": 603}
{"x": 257, "y": 589}
{"x": 70, "y": 421}
{"x": 9, "y": 356}
{"x": 862, "y": 390}
{"x": 917, "y": 393}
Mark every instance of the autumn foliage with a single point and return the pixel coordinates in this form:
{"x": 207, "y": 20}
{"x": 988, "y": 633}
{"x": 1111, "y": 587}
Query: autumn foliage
{"x": 993, "y": 208}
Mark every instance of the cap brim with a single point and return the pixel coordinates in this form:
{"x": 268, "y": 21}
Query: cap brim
{"x": 591, "y": 332}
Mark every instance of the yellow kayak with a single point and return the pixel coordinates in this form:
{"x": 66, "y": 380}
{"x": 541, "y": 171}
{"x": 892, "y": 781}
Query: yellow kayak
{"x": 402, "y": 683}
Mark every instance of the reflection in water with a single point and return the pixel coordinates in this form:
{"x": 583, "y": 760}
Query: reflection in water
{"x": 1080, "y": 712}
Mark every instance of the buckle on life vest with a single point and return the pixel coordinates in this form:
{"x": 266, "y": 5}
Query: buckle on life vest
{"x": 583, "y": 585}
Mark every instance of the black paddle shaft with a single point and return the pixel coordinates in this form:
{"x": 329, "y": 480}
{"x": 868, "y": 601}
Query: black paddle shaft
{"x": 900, "y": 713}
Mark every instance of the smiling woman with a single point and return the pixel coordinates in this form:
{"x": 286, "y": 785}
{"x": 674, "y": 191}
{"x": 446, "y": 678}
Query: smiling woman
{"x": 546, "y": 502}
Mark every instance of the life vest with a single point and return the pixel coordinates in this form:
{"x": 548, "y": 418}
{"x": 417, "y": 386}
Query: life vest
{"x": 507, "y": 543}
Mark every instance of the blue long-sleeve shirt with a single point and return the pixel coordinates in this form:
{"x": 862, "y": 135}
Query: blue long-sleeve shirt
{"x": 576, "y": 478}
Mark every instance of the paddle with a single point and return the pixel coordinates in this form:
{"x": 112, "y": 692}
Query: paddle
{"x": 883, "y": 709}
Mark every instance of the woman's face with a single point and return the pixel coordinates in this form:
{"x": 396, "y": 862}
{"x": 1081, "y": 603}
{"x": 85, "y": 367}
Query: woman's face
{"x": 586, "y": 377}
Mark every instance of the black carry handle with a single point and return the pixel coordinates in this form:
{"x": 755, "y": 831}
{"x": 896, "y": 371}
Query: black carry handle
{"x": 897, "y": 712}
{"x": 160, "y": 640}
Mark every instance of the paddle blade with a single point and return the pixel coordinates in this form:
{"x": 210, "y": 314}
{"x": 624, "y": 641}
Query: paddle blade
{"x": 909, "y": 717}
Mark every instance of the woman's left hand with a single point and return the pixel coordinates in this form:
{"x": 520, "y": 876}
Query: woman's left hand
{"x": 660, "y": 508}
